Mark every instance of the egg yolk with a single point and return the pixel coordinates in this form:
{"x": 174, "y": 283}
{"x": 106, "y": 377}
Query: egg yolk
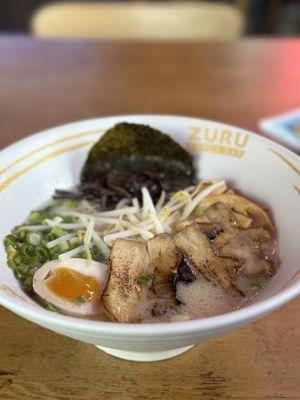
{"x": 73, "y": 286}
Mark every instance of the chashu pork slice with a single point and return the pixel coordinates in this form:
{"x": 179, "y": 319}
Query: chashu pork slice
{"x": 195, "y": 242}
{"x": 254, "y": 249}
{"x": 164, "y": 258}
{"x": 123, "y": 294}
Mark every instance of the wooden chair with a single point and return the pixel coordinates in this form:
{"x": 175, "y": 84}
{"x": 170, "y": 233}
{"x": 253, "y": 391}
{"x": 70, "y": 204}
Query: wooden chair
{"x": 170, "y": 20}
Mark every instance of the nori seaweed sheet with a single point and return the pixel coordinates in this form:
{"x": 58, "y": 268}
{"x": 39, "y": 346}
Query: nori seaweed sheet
{"x": 130, "y": 156}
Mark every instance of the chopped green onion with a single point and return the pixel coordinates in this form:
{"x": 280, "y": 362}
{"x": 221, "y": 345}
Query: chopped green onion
{"x": 35, "y": 217}
{"x": 38, "y": 217}
{"x": 22, "y": 268}
{"x": 82, "y": 255}
{"x": 18, "y": 274}
{"x": 34, "y": 238}
{"x": 53, "y": 256}
{"x": 11, "y": 261}
{"x": 18, "y": 259}
{"x": 145, "y": 280}
{"x": 42, "y": 254}
{"x": 63, "y": 246}
{"x": 10, "y": 240}
{"x": 22, "y": 235}
{"x": 57, "y": 232}
{"x": 68, "y": 219}
{"x": 11, "y": 250}
{"x": 28, "y": 281}
{"x": 58, "y": 249}
{"x": 97, "y": 255}
{"x": 255, "y": 285}
{"x": 28, "y": 250}
{"x": 73, "y": 203}
{"x": 31, "y": 261}
{"x": 50, "y": 307}
{"x": 74, "y": 242}
{"x": 80, "y": 300}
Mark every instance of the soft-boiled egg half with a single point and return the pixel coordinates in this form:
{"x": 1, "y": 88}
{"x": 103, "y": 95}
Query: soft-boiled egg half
{"x": 74, "y": 286}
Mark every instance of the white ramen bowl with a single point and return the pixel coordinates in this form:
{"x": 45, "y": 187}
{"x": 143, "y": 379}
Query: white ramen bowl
{"x": 33, "y": 168}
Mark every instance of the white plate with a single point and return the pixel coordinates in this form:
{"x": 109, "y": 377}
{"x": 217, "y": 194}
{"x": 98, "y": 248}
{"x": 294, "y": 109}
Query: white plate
{"x": 33, "y": 168}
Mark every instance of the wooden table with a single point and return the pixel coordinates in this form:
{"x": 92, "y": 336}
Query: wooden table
{"x": 46, "y": 83}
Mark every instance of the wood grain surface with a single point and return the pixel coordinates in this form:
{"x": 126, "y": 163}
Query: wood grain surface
{"x": 47, "y": 83}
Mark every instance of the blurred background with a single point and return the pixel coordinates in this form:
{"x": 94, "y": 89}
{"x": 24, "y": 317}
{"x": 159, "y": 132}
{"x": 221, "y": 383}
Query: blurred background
{"x": 151, "y": 19}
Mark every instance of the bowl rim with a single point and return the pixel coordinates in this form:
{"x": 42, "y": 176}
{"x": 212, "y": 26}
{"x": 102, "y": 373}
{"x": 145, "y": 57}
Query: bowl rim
{"x": 163, "y": 329}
